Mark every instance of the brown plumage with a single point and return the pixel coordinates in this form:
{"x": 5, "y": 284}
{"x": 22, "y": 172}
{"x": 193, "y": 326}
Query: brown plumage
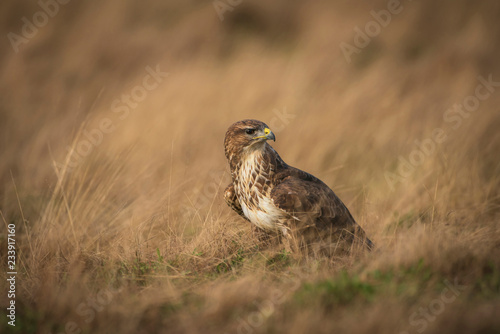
{"x": 284, "y": 201}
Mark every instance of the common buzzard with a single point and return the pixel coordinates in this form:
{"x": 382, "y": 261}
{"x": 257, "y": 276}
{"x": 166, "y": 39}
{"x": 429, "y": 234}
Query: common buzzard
{"x": 284, "y": 201}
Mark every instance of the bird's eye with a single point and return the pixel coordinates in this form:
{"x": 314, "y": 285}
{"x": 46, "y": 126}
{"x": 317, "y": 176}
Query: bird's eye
{"x": 250, "y": 131}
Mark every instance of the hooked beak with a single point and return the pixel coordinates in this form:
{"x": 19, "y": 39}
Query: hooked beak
{"x": 268, "y": 135}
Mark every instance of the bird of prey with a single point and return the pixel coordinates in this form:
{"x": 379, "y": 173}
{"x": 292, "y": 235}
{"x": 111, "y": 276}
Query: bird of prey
{"x": 284, "y": 201}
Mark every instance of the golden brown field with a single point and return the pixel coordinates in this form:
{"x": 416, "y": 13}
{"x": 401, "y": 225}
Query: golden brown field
{"x": 112, "y": 166}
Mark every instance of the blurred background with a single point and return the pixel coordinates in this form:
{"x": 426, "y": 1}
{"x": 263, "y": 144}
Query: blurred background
{"x": 337, "y": 112}
{"x": 113, "y": 114}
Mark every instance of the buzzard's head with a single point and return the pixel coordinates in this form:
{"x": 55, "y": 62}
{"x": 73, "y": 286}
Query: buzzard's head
{"x": 246, "y": 136}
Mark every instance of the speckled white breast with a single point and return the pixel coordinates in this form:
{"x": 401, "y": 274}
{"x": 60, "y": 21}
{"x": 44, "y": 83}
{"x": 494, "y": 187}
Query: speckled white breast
{"x": 258, "y": 207}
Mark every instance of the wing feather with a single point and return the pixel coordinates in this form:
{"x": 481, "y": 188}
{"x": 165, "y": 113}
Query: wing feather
{"x": 232, "y": 200}
{"x": 304, "y": 196}
{"x": 311, "y": 202}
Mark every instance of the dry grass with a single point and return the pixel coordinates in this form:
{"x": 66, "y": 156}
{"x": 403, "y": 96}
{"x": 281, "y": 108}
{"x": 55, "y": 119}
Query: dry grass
{"x": 136, "y": 238}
